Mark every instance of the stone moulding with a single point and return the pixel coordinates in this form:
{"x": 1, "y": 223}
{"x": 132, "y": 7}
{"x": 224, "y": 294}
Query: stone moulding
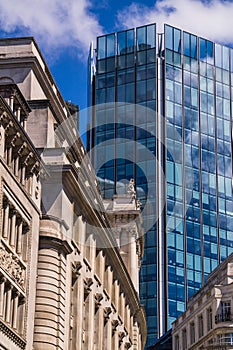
{"x": 12, "y": 335}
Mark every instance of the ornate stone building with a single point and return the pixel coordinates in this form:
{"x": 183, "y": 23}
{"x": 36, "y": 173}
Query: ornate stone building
{"x": 68, "y": 269}
{"x": 207, "y": 322}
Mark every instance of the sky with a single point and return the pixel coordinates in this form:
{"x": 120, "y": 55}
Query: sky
{"x": 64, "y": 29}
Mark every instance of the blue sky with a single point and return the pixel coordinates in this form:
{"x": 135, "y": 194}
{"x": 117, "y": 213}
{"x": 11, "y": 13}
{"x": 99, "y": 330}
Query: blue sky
{"x": 64, "y": 29}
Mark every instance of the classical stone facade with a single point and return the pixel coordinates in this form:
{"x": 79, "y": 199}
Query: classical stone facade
{"x": 207, "y": 323}
{"x": 68, "y": 269}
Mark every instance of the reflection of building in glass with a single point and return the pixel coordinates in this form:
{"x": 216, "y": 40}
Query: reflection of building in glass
{"x": 64, "y": 282}
{"x": 178, "y": 92}
{"x": 207, "y": 322}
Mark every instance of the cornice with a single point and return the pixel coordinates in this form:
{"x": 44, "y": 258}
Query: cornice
{"x": 5, "y": 329}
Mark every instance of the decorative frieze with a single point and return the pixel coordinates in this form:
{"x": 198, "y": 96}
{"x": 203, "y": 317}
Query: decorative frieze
{"x": 12, "y": 266}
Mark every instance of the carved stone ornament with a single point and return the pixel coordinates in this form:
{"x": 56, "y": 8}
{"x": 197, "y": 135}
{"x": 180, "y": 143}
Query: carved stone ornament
{"x": 121, "y": 335}
{"x": 98, "y": 298}
{"x": 128, "y": 345}
{"x": 12, "y": 266}
{"x": 107, "y": 311}
{"x": 131, "y": 189}
{"x": 88, "y": 282}
{"x": 76, "y": 267}
{"x": 115, "y": 323}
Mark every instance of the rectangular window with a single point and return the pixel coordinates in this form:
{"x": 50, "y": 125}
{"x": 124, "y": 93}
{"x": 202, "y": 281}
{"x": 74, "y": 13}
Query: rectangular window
{"x": 184, "y": 339}
{"x": 200, "y": 326}
{"x": 177, "y": 345}
{"x": 226, "y": 310}
{"x": 192, "y": 332}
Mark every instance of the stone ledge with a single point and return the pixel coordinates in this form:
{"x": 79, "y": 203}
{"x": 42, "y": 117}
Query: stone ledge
{"x": 12, "y": 335}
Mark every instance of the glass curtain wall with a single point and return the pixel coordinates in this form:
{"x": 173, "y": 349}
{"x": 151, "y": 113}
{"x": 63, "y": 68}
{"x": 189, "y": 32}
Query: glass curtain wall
{"x": 198, "y": 106}
{"x": 125, "y": 126}
{"x": 197, "y": 99}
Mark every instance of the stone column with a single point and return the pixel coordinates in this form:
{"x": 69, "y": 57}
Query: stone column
{"x": 16, "y": 166}
{"x": 23, "y": 172}
{"x": 108, "y": 340}
{"x": 8, "y": 304}
{"x": 6, "y": 219}
{"x": 99, "y": 326}
{"x": 15, "y": 310}
{"x": 25, "y": 124}
{"x": 18, "y": 113}
{"x": 19, "y": 237}
{"x": 90, "y": 316}
{"x": 21, "y": 312}
{"x": 80, "y": 300}
{"x": 9, "y": 155}
{"x": 2, "y": 289}
{"x": 12, "y": 102}
{"x": 13, "y": 228}
{"x": 115, "y": 340}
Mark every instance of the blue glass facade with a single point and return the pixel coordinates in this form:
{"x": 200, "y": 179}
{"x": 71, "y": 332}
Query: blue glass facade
{"x": 198, "y": 105}
{"x": 185, "y": 84}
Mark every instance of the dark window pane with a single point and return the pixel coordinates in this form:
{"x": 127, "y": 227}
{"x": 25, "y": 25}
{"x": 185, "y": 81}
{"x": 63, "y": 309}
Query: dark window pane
{"x": 193, "y": 46}
{"x": 202, "y": 49}
{"x": 186, "y": 44}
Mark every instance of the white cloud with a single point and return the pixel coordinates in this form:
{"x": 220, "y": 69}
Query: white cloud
{"x": 54, "y": 23}
{"x": 211, "y": 19}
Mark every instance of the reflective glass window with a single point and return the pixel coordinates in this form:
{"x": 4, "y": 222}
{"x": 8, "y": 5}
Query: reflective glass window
{"x": 177, "y": 40}
{"x": 225, "y": 58}
{"x": 151, "y": 36}
{"x": 169, "y": 37}
{"x": 110, "y": 45}
{"x": 218, "y": 55}
{"x": 101, "y": 47}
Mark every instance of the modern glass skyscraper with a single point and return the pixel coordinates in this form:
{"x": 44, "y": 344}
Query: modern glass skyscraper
{"x": 170, "y": 94}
